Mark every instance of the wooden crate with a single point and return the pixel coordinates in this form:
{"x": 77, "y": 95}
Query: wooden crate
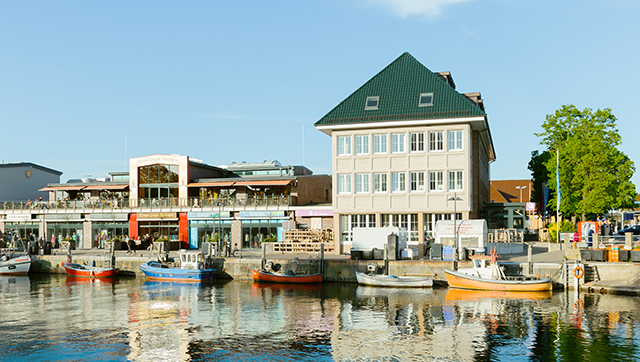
{"x": 312, "y": 247}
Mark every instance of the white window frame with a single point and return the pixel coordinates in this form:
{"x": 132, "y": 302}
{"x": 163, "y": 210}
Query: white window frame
{"x": 436, "y": 181}
{"x": 344, "y": 145}
{"x": 454, "y": 140}
{"x": 398, "y": 142}
{"x": 416, "y": 140}
{"x": 398, "y": 182}
{"x": 362, "y": 144}
{"x": 436, "y": 141}
{"x": 425, "y": 104}
{"x": 367, "y": 107}
{"x": 380, "y": 184}
{"x": 416, "y": 181}
{"x": 344, "y": 183}
{"x": 456, "y": 182}
{"x": 362, "y": 183}
{"x": 379, "y": 143}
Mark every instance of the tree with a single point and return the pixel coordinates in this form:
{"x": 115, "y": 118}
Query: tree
{"x": 539, "y": 178}
{"x": 595, "y": 177}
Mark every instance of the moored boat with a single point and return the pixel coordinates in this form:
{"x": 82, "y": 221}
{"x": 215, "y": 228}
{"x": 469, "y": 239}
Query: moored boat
{"x": 394, "y": 281}
{"x": 192, "y": 269}
{"x": 15, "y": 265}
{"x": 487, "y": 275}
{"x": 269, "y": 277}
{"x": 85, "y": 271}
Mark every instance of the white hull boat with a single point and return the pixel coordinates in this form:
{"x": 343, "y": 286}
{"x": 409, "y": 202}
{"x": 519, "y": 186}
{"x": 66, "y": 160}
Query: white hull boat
{"x": 16, "y": 265}
{"x": 393, "y": 281}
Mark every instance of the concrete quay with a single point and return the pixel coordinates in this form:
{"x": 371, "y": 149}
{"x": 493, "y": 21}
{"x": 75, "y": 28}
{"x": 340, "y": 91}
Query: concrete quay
{"x": 602, "y": 277}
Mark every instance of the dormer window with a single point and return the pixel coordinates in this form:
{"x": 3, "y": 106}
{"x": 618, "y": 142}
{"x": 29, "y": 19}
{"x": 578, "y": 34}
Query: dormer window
{"x": 426, "y": 99}
{"x": 371, "y": 103}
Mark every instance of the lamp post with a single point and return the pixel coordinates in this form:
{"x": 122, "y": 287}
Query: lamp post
{"x": 455, "y": 199}
{"x": 520, "y": 188}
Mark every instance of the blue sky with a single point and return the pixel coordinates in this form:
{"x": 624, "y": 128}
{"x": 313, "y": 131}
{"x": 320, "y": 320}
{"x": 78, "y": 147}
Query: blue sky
{"x": 226, "y": 81}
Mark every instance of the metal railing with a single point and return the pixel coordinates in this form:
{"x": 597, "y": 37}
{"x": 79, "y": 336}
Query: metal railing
{"x": 157, "y": 203}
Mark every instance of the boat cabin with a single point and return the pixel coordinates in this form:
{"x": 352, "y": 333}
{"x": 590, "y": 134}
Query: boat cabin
{"x": 192, "y": 259}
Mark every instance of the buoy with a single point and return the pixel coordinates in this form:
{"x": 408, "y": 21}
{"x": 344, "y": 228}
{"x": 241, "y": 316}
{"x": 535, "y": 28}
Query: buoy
{"x": 578, "y": 272}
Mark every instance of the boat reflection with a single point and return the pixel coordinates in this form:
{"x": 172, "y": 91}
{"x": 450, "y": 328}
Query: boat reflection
{"x": 82, "y": 280}
{"x": 461, "y": 295}
{"x": 307, "y": 288}
{"x": 14, "y": 284}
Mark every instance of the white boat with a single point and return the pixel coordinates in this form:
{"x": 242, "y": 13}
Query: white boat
{"x": 394, "y": 281}
{"x": 15, "y": 265}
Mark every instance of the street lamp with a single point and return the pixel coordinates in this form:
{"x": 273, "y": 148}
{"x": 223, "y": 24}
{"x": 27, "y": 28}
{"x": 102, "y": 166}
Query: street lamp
{"x": 455, "y": 199}
{"x": 520, "y": 188}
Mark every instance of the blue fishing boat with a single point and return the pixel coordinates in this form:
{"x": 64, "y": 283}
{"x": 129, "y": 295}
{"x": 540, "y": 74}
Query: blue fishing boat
{"x": 193, "y": 268}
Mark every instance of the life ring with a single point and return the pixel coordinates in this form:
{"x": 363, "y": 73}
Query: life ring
{"x": 201, "y": 266}
{"x": 578, "y": 272}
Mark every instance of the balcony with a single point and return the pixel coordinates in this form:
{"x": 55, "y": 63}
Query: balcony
{"x": 128, "y": 205}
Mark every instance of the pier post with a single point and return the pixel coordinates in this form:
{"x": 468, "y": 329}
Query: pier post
{"x": 264, "y": 255}
{"x": 322, "y": 259}
{"x": 386, "y": 260}
{"x": 530, "y": 258}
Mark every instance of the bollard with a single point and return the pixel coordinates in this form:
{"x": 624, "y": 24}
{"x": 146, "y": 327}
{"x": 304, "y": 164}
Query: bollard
{"x": 596, "y": 241}
{"x": 628, "y": 240}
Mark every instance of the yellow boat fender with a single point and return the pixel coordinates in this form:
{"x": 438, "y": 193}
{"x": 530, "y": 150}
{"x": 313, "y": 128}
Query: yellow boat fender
{"x": 201, "y": 266}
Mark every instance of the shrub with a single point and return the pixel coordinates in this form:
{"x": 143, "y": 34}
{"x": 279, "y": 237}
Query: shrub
{"x": 565, "y": 227}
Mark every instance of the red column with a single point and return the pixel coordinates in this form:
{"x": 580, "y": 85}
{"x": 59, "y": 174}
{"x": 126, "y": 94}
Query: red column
{"x": 183, "y": 230}
{"x": 133, "y": 225}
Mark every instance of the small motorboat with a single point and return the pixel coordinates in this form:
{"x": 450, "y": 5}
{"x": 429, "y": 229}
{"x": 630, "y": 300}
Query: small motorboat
{"x": 287, "y": 277}
{"x": 85, "y": 271}
{"x": 393, "y": 281}
{"x": 487, "y": 275}
{"x": 15, "y": 265}
{"x": 192, "y": 269}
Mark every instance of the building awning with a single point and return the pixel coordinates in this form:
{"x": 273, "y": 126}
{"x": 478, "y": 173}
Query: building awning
{"x": 264, "y": 183}
{"x": 62, "y": 188}
{"x": 106, "y": 187}
{"x": 212, "y": 184}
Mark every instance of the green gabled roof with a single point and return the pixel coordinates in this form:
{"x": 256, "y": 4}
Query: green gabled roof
{"x": 399, "y": 86}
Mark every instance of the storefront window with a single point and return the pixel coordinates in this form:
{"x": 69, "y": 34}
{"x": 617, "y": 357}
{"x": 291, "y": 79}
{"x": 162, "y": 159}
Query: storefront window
{"x": 254, "y": 232}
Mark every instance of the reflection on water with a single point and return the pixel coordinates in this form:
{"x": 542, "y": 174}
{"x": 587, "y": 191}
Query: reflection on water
{"x": 50, "y": 318}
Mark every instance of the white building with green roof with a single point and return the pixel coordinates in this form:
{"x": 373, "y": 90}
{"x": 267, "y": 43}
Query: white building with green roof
{"x": 403, "y": 145}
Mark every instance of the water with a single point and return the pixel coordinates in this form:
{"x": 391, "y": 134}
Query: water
{"x": 54, "y": 318}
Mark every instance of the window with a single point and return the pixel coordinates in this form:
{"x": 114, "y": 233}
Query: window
{"x": 436, "y": 141}
{"x": 344, "y": 145}
{"x": 349, "y": 222}
{"x": 344, "y": 184}
{"x": 398, "y": 182}
{"x": 362, "y": 145}
{"x": 435, "y": 180}
{"x": 416, "y": 181}
{"x": 362, "y": 183}
{"x": 379, "y": 143}
{"x": 426, "y": 99}
{"x": 397, "y": 142}
{"x": 380, "y": 182}
{"x": 417, "y": 142}
{"x": 455, "y": 140}
{"x": 455, "y": 180}
{"x": 371, "y": 103}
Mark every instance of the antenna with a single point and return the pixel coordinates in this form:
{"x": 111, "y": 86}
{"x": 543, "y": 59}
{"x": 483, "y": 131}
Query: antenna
{"x": 303, "y": 145}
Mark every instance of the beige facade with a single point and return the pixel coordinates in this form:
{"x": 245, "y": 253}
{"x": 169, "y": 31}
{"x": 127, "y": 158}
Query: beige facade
{"x": 406, "y": 174}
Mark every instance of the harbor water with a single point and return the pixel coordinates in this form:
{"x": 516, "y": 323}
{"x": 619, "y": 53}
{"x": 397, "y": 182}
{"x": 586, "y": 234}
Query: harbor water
{"x": 59, "y": 318}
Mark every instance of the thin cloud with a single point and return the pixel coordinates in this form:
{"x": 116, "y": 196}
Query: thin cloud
{"x": 404, "y": 8}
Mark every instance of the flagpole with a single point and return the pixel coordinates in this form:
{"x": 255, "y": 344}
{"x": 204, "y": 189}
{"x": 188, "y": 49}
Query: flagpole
{"x": 557, "y": 196}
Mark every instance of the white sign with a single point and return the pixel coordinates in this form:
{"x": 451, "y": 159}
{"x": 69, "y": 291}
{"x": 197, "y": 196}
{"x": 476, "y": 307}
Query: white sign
{"x": 530, "y": 206}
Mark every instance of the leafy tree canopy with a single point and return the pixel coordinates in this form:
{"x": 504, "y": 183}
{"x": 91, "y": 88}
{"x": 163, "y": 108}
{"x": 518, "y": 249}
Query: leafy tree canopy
{"x": 539, "y": 177}
{"x": 595, "y": 176}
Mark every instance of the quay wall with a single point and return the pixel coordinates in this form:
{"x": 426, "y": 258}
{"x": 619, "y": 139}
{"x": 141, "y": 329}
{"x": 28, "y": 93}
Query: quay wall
{"x": 344, "y": 270}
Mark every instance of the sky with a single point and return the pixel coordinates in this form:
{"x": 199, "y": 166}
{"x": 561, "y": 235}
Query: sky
{"x": 85, "y": 85}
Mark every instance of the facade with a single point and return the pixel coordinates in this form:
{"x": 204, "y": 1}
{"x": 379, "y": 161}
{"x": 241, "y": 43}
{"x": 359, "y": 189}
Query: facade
{"x": 22, "y": 181}
{"x": 507, "y": 209}
{"x": 174, "y": 198}
{"x": 407, "y": 150}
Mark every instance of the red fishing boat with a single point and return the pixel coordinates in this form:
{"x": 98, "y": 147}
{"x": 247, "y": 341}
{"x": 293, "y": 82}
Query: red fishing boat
{"x": 79, "y": 270}
{"x": 265, "y": 276}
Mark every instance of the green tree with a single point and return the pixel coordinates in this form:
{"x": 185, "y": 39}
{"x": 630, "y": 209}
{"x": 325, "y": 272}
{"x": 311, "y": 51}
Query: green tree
{"x": 595, "y": 176}
{"x": 539, "y": 177}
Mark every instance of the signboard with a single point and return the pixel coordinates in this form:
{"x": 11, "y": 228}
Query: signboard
{"x": 207, "y": 215}
{"x": 314, "y": 213}
{"x": 627, "y": 216}
{"x": 19, "y": 217}
{"x": 261, "y": 213}
{"x": 530, "y": 206}
{"x": 108, "y": 217}
{"x": 157, "y": 215}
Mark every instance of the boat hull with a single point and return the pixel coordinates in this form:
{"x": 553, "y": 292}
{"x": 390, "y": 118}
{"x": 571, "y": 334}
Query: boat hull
{"x": 260, "y": 276}
{"x": 394, "y": 281}
{"x": 156, "y": 271}
{"x": 464, "y": 281}
{"x": 77, "y": 270}
{"x": 16, "y": 266}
